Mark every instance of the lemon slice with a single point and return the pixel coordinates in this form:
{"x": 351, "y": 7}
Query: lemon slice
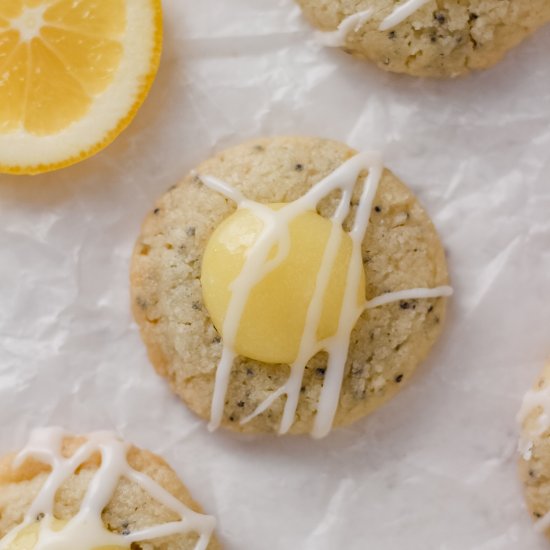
{"x": 73, "y": 74}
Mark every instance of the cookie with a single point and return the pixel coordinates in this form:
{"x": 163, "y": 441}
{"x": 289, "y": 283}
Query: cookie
{"x": 64, "y": 492}
{"x": 534, "y": 463}
{"x": 399, "y": 257}
{"x": 426, "y": 38}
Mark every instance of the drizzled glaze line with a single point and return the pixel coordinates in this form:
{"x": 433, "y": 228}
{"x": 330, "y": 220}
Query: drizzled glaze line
{"x": 337, "y": 347}
{"x": 354, "y": 22}
{"x": 409, "y": 294}
{"x": 86, "y": 528}
{"x": 401, "y": 13}
{"x": 275, "y": 232}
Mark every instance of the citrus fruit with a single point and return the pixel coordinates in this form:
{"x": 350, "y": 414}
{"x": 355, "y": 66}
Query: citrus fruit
{"x": 73, "y": 74}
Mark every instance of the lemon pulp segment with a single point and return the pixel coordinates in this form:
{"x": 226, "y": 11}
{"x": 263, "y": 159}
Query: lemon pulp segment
{"x": 274, "y": 317}
{"x": 55, "y": 57}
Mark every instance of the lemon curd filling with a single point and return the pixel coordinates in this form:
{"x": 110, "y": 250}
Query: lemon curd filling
{"x": 29, "y": 538}
{"x": 274, "y": 318}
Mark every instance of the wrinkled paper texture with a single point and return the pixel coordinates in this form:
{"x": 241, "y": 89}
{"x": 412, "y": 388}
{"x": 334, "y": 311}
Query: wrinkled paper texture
{"x": 435, "y": 469}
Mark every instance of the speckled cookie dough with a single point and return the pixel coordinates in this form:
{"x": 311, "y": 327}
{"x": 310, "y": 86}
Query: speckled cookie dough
{"x": 534, "y": 462}
{"x": 440, "y": 38}
{"x": 401, "y": 250}
{"x": 130, "y": 509}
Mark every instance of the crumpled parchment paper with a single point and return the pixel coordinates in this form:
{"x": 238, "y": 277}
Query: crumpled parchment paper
{"x": 433, "y": 470}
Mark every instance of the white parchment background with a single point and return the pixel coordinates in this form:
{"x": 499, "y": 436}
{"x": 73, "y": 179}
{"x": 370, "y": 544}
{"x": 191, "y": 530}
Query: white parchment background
{"x": 434, "y": 469}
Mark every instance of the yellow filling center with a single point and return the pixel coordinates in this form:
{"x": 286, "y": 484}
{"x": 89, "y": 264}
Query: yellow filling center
{"x": 55, "y": 56}
{"x": 274, "y": 317}
{"x": 29, "y": 537}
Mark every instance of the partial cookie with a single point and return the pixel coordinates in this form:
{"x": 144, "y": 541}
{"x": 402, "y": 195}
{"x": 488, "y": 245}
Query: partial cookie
{"x": 443, "y": 38}
{"x": 400, "y": 251}
{"x": 534, "y": 462}
{"x": 66, "y": 492}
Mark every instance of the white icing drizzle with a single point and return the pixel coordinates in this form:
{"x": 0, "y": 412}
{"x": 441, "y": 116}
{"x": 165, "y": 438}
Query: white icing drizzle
{"x": 354, "y": 22}
{"x": 401, "y": 13}
{"x": 86, "y": 529}
{"x": 409, "y": 294}
{"x": 275, "y": 233}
